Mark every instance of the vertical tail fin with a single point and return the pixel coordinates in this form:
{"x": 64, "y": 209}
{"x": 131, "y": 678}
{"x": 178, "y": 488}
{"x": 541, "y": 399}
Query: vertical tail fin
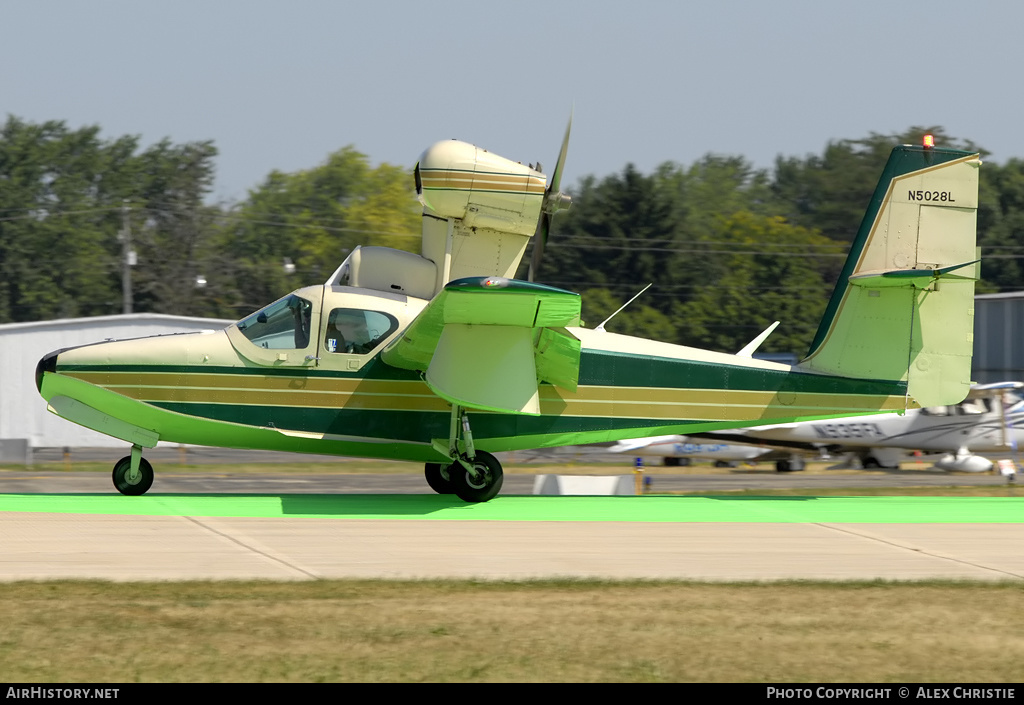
{"x": 903, "y": 308}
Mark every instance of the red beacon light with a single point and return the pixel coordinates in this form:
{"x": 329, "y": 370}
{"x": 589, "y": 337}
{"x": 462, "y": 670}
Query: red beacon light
{"x": 929, "y": 141}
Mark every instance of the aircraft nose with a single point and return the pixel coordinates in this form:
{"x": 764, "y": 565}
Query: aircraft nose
{"x": 47, "y": 364}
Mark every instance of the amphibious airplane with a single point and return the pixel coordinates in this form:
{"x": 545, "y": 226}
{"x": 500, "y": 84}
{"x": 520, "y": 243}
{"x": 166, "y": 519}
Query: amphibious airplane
{"x": 443, "y": 358}
{"x": 678, "y": 450}
{"x": 989, "y": 420}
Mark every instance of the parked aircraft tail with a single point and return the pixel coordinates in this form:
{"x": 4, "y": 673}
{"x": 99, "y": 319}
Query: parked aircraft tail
{"x": 903, "y": 308}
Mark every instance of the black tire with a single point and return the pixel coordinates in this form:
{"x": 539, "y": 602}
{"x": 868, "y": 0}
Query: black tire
{"x": 870, "y": 463}
{"x": 781, "y": 466}
{"x": 670, "y": 462}
{"x": 120, "y": 476}
{"x": 483, "y": 489}
{"x": 438, "y": 477}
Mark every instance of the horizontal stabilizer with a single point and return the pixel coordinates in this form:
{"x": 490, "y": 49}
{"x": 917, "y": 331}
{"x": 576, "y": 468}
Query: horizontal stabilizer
{"x": 916, "y": 278}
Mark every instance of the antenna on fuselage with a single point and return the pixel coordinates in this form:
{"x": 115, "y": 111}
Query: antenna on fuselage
{"x": 749, "y": 348}
{"x": 601, "y": 327}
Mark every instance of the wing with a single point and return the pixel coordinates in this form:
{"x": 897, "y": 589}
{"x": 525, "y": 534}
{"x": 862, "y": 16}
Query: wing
{"x": 488, "y": 342}
{"x": 628, "y": 444}
{"x": 993, "y": 389}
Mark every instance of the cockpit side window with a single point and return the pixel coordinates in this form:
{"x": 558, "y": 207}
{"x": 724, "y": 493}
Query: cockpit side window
{"x": 284, "y": 324}
{"x": 353, "y": 330}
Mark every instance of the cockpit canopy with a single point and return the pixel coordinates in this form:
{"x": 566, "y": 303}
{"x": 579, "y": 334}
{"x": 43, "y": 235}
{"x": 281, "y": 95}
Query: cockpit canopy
{"x": 284, "y": 324}
{"x": 324, "y": 326}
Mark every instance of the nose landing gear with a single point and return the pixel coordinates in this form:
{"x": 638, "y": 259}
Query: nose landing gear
{"x": 133, "y": 475}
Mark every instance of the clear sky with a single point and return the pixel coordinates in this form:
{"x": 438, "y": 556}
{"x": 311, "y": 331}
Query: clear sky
{"x": 280, "y": 85}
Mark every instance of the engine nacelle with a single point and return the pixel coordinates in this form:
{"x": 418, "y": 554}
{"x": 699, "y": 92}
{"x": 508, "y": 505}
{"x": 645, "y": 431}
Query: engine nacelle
{"x": 963, "y": 462}
{"x": 458, "y": 180}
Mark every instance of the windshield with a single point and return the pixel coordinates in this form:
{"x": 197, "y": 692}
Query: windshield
{"x": 281, "y": 325}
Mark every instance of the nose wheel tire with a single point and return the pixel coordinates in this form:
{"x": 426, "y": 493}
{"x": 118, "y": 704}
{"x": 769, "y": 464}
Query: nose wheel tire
{"x": 438, "y": 477}
{"x": 485, "y": 486}
{"x": 125, "y": 483}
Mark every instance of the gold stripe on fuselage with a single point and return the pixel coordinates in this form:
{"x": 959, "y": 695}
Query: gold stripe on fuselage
{"x": 596, "y": 401}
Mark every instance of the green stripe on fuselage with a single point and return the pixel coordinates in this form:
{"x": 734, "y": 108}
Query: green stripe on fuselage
{"x": 599, "y": 367}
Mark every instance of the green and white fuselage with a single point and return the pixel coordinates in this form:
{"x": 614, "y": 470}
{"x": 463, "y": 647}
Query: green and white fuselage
{"x": 207, "y": 389}
{"x": 443, "y": 358}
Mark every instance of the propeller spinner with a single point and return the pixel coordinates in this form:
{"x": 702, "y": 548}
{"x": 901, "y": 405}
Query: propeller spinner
{"x": 554, "y": 201}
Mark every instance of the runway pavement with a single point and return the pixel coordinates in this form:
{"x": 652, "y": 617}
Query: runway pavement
{"x": 194, "y": 544}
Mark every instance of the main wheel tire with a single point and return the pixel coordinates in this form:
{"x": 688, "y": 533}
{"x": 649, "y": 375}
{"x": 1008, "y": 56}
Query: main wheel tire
{"x": 120, "y": 476}
{"x": 485, "y": 487}
{"x": 782, "y": 466}
{"x": 438, "y": 477}
{"x": 870, "y": 463}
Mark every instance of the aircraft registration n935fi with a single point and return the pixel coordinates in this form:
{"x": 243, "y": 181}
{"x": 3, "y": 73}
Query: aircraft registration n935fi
{"x": 443, "y": 358}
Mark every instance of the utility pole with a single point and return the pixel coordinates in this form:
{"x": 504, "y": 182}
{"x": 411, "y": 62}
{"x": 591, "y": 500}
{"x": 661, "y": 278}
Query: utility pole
{"x": 127, "y": 259}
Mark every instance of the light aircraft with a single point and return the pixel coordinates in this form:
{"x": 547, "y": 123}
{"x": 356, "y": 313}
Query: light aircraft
{"x": 443, "y": 358}
{"x": 989, "y": 420}
{"x": 675, "y": 450}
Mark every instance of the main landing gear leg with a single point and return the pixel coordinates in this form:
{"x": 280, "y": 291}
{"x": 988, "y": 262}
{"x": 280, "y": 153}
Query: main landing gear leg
{"x": 474, "y": 475}
{"x": 133, "y": 475}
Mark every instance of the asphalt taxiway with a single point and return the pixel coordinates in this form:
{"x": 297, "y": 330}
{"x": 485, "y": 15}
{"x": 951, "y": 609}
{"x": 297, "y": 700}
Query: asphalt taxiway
{"x": 219, "y": 525}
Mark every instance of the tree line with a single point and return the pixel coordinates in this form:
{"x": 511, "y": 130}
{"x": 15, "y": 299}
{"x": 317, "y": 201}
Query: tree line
{"x": 727, "y": 247}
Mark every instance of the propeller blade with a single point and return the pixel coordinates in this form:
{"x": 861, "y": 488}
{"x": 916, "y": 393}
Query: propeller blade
{"x": 539, "y": 239}
{"x": 554, "y": 201}
{"x": 556, "y": 176}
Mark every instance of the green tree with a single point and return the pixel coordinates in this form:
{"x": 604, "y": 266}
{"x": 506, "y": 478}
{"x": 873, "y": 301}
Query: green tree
{"x": 631, "y": 229}
{"x": 62, "y": 198}
{"x": 56, "y": 223}
{"x": 771, "y": 271}
{"x": 173, "y": 230}
{"x": 313, "y": 219}
{"x": 1001, "y": 226}
{"x": 831, "y": 192}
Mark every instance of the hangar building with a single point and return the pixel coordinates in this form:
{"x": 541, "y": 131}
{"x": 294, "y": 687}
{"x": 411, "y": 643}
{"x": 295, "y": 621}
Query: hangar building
{"x": 24, "y": 421}
{"x": 998, "y": 338}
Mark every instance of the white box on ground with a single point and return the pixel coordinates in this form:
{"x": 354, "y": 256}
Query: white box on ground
{"x": 584, "y": 485}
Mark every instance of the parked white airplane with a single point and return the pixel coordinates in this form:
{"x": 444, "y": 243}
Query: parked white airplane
{"x": 989, "y": 420}
{"x": 680, "y": 450}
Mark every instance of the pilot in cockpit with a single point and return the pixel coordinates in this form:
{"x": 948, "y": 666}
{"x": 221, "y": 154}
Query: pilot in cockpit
{"x": 347, "y": 333}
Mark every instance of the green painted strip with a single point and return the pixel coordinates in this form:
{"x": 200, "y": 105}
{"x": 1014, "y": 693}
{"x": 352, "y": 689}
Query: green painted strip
{"x": 654, "y": 509}
{"x": 606, "y": 368}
